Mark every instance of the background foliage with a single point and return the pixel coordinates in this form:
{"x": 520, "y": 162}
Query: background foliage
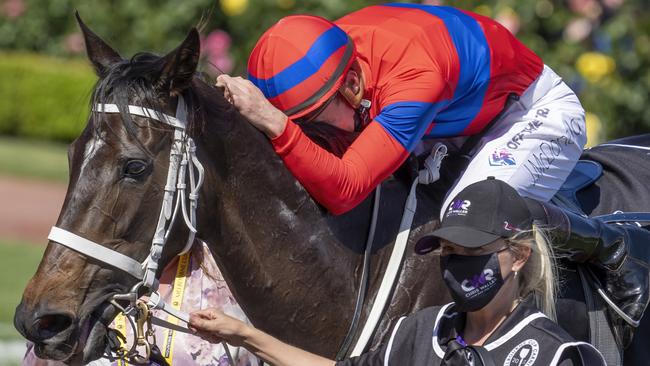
{"x": 600, "y": 47}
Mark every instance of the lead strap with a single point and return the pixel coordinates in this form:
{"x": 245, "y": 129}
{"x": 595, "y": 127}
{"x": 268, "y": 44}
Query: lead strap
{"x": 182, "y": 272}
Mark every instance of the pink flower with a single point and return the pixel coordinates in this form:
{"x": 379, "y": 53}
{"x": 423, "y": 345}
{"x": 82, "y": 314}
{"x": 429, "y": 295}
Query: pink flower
{"x": 222, "y": 63}
{"x": 509, "y": 19}
{"x": 74, "y": 43}
{"x": 13, "y": 8}
{"x": 577, "y": 30}
{"x": 216, "y": 43}
{"x": 589, "y": 8}
{"x": 216, "y": 46}
{"x": 613, "y": 4}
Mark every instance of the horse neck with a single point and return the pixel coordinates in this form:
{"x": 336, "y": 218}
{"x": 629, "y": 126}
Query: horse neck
{"x": 270, "y": 240}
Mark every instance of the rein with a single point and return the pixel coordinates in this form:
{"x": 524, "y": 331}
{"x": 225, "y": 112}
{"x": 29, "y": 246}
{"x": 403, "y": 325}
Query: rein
{"x": 183, "y": 164}
{"x": 430, "y": 173}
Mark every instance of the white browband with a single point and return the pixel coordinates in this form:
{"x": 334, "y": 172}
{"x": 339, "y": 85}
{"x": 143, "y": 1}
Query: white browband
{"x": 146, "y": 112}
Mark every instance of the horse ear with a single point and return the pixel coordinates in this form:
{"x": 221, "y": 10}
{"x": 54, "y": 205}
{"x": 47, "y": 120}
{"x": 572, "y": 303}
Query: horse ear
{"x": 99, "y": 52}
{"x": 180, "y": 64}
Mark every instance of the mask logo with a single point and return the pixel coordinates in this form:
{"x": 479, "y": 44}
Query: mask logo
{"x": 458, "y": 208}
{"x": 478, "y": 282}
{"x": 473, "y": 281}
{"x": 502, "y": 157}
{"x": 524, "y": 354}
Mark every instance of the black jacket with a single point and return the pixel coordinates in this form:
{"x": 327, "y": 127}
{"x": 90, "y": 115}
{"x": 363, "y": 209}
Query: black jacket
{"x": 526, "y": 338}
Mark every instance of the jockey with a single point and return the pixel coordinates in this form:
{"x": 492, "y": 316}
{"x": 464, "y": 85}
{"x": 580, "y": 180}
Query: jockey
{"x": 407, "y": 74}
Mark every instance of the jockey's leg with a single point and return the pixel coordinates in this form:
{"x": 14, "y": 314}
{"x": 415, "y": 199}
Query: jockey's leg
{"x": 534, "y": 145}
{"x": 608, "y": 246}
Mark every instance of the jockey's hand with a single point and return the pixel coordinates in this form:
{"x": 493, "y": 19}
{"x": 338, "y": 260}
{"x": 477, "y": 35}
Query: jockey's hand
{"x": 214, "y": 326}
{"x": 253, "y": 105}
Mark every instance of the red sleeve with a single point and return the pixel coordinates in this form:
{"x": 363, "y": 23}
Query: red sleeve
{"x": 340, "y": 184}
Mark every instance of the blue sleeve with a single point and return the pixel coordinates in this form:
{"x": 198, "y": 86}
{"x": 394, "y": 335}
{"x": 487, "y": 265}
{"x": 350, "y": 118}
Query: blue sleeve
{"x": 407, "y": 122}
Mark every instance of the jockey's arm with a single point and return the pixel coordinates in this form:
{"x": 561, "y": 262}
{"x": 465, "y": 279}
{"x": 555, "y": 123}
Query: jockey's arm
{"x": 409, "y": 105}
{"x": 340, "y": 184}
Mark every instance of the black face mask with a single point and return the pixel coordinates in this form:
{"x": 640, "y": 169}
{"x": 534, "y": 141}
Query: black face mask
{"x": 473, "y": 281}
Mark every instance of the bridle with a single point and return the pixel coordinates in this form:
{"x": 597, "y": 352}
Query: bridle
{"x": 183, "y": 164}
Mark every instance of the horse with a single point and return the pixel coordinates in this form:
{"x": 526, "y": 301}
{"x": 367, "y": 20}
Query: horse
{"x": 292, "y": 267}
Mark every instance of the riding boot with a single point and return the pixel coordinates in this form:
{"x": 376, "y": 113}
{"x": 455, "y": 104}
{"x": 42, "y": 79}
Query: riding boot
{"x": 610, "y": 247}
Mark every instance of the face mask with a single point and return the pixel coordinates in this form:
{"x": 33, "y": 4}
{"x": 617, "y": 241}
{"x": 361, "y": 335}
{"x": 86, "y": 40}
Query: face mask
{"x": 473, "y": 281}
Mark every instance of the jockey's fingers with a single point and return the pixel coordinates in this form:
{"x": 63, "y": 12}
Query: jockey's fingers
{"x": 223, "y": 78}
{"x": 228, "y": 96}
{"x": 236, "y": 88}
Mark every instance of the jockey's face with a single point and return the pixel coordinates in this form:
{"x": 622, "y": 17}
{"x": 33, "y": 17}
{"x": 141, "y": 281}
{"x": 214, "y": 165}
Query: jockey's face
{"x": 340, "y": 112}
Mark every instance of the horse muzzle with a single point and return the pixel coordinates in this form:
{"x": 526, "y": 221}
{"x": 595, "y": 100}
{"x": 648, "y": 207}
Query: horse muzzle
{"x": 54, "y": 333}
{"x": 61, "y": 336}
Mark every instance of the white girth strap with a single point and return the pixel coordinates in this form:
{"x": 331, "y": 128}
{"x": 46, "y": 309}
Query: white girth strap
{"x": 429, "y": 174}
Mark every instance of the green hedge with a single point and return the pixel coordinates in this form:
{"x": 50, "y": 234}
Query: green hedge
{"x": 43, "y": 97}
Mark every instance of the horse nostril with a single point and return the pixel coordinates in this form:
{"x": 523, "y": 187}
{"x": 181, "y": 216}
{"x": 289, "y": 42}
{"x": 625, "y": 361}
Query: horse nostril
{"x": 50, "y": 325}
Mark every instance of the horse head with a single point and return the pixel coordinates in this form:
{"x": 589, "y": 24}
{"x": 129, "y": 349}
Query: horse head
{"x": 118, "y": 170}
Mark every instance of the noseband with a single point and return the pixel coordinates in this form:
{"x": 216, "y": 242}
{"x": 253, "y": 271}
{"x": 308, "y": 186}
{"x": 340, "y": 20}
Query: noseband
{"x": 183, "y": 163}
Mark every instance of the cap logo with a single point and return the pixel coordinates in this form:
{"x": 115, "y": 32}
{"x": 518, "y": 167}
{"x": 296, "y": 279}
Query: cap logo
{"x": 458, "y": 208}
{"x": 509, "y": 227}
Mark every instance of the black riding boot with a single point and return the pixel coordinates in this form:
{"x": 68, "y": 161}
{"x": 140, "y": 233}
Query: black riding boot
{"x": 610, "y": 247}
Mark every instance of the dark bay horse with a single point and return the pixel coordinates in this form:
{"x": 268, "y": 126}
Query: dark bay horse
{"x": 292, "y": 267}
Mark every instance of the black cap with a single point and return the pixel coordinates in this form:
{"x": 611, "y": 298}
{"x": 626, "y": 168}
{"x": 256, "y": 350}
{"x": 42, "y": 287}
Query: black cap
{"x": 480, "y": 214}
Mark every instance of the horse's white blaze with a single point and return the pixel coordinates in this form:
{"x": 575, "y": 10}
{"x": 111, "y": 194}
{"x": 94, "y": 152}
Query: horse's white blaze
{"x": 91, "y": 149}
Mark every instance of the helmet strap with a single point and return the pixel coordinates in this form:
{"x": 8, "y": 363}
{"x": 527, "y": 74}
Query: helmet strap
{"x": 361, "y": 115}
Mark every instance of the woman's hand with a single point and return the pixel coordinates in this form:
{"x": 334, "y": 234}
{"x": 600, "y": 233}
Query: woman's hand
{"x": 253, "y": 105}
{"x": 214, "y": 326}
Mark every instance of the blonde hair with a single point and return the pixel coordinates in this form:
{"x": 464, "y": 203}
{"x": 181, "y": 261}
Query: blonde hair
{"x": 539, "y": 274}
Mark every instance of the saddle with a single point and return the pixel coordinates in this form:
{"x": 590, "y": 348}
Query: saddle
{"x": 585, "y": 173}
{"x": 611, "y": 337}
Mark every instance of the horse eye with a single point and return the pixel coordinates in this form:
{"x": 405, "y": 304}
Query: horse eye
{"x": 134, "y": 168}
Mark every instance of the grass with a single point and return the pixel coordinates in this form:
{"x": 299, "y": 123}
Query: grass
{"x": 18, "y": 262}
{"x": 33, "y": 159}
